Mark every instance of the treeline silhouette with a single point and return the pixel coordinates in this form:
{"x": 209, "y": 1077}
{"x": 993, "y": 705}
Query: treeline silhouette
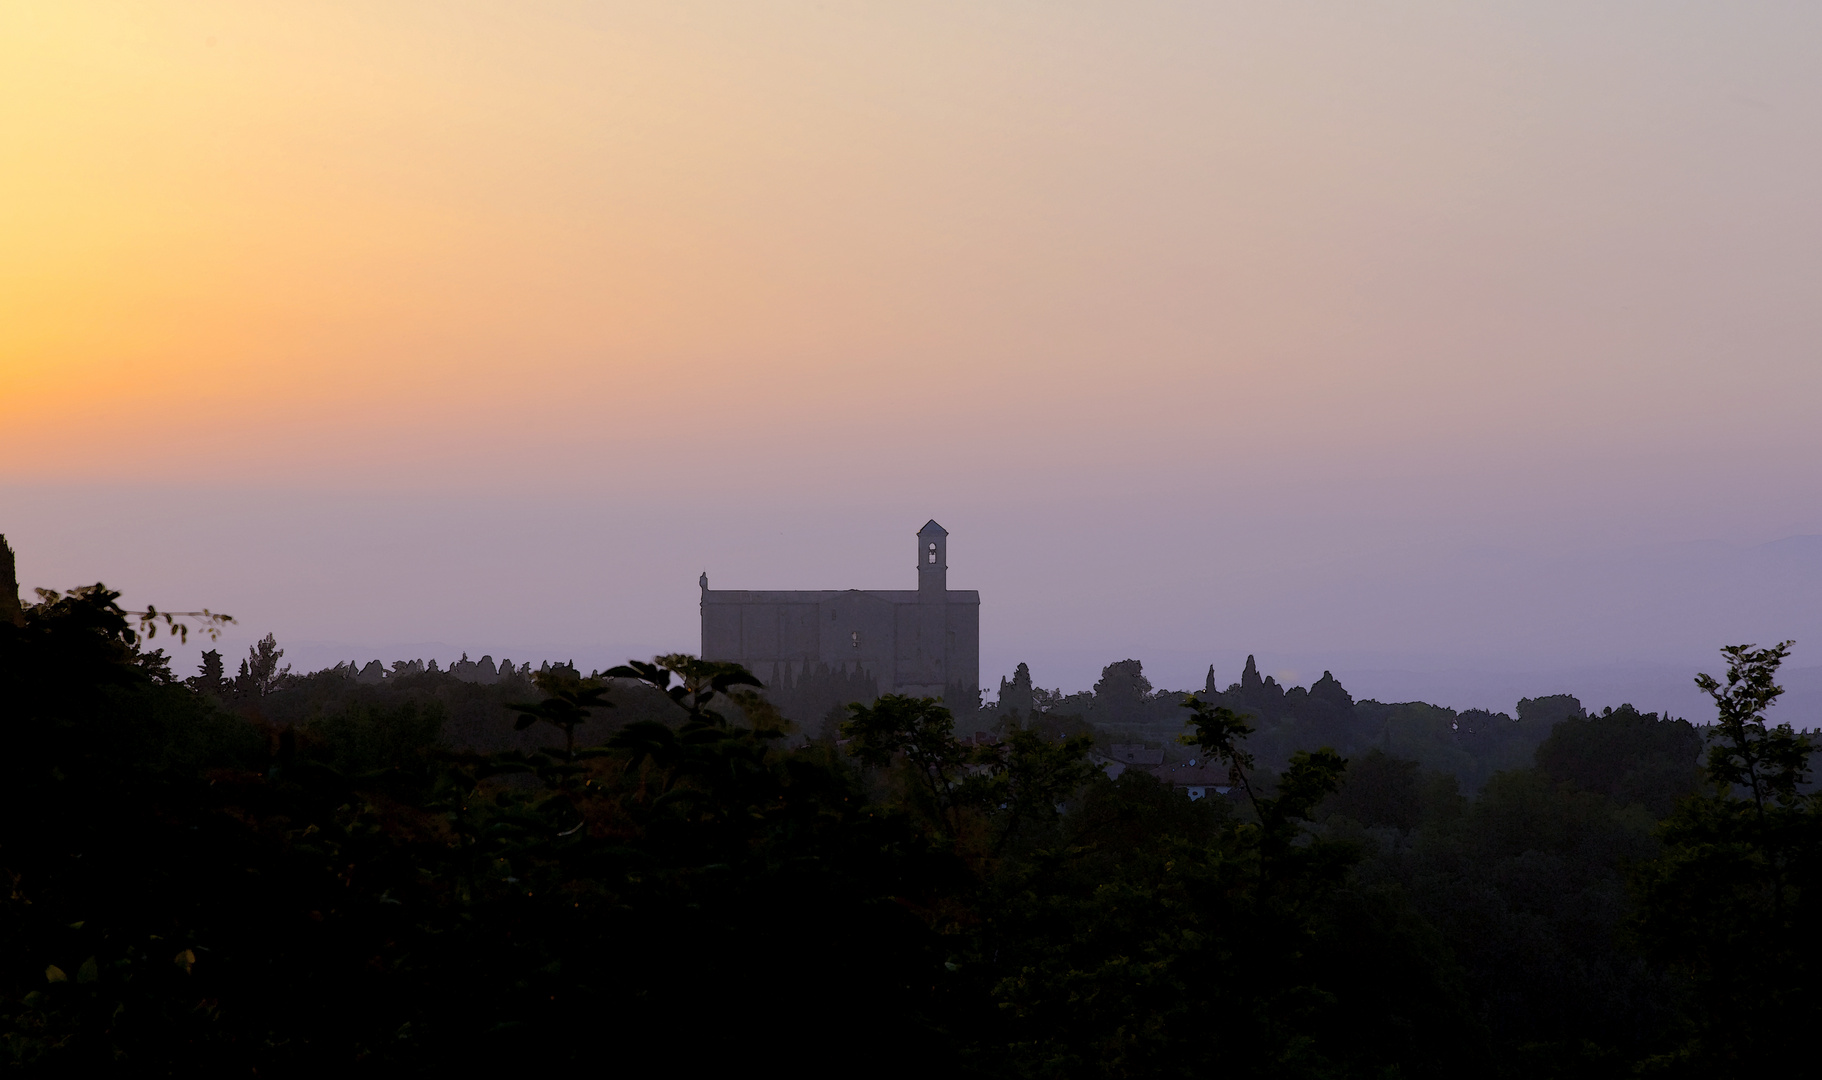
{"x": 1470, "y": 745}
{"x": 293, "y": 874}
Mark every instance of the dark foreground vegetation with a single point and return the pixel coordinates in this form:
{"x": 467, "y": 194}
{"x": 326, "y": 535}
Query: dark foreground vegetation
{"x": 196, "y": 885}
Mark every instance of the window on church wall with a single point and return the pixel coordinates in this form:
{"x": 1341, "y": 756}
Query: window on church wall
{"x": 855, "y": 639}
{"x": 932, "y": 552}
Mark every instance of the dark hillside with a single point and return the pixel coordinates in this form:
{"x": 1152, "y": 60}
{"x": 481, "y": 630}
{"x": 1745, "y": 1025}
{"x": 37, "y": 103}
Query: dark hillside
{"x": 278, "y": 875}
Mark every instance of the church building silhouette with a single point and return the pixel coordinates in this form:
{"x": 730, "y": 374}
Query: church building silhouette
{"x": 813, "y": 649}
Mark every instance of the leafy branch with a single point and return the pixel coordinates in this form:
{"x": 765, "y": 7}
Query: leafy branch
{"x": 569, "y": 702}
{"x": 1772, "y": 763}
{"x": 212, "y": 621}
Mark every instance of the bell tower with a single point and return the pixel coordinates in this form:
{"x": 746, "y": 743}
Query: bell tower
{"x": 932, "y": 563}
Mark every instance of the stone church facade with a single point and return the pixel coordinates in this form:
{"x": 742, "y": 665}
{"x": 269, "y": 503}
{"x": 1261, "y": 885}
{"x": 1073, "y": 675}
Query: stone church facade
{"x": 816, "y": 651}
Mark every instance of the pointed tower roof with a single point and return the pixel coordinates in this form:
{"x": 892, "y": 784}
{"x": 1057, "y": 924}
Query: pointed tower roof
{"x": 931, "y": 528}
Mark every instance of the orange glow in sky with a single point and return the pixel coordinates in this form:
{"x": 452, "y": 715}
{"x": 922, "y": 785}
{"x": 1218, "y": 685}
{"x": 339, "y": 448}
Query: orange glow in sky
{"x": 545, "y": 236}
{"x": 1499, "y": 268}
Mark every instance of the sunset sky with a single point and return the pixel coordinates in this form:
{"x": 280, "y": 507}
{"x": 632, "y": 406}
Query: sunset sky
{"x": 1404, "y": 337}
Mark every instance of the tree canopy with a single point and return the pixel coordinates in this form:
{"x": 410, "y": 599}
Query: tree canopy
{"x": 653, "y": 860}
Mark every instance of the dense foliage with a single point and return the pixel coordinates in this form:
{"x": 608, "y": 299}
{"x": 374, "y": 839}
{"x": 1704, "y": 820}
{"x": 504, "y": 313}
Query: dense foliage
{"x": 655, "y": 867}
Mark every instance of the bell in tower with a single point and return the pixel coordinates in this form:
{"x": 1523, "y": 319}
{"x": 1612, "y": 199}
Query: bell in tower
{"x": 932, "y": 562}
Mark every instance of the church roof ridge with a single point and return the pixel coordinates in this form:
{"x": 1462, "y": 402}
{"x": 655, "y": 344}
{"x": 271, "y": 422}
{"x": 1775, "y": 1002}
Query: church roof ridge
{"x": 932, "y": 526}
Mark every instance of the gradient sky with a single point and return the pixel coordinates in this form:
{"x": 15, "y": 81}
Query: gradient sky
{"x": 1400, "y": 336}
